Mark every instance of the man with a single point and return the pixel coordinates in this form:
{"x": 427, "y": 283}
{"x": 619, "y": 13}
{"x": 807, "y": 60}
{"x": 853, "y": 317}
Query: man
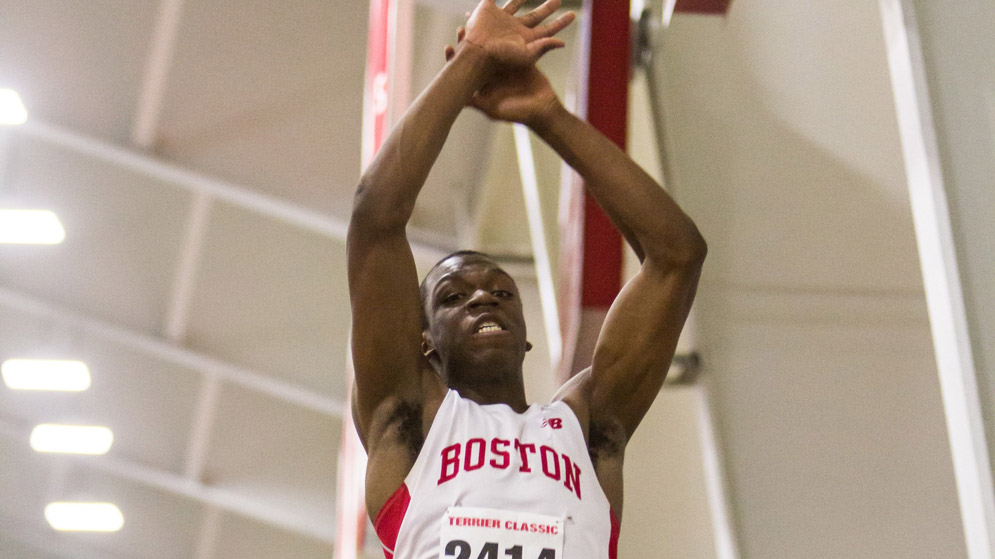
{"x": 459, "y": 464}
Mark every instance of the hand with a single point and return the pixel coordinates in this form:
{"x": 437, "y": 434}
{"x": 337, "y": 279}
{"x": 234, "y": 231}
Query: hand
{"x": 514, "y": 41}
{"x": 523, "y": 96}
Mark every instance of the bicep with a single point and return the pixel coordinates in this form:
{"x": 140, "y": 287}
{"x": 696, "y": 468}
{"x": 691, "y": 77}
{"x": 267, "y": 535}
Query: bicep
{"x": 386, "y": 320}
{"x": 637, "y": 342}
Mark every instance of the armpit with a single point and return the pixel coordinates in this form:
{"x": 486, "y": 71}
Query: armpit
{"x": 606, "y": 440}
{"x": 405, "y": 421}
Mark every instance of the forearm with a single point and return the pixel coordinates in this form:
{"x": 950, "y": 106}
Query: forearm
{"x": 388, "y": 189}
{"x": 651, "y": 221}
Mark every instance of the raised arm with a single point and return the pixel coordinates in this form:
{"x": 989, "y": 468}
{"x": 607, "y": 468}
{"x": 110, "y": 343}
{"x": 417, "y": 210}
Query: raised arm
{"x": 383, "y": 285}
{"x": 640, "y": 333}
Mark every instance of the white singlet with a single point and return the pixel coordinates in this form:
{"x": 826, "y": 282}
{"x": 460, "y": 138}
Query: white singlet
{"x": 494, "y": 484}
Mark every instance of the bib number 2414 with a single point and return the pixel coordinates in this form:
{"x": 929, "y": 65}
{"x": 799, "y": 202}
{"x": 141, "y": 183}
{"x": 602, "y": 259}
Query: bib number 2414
{"x": 480, "y": 533}
{"x": 460, "y": 549}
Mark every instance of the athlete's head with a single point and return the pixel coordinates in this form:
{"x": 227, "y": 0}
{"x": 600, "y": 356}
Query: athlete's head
{"x": 472, "y": 315}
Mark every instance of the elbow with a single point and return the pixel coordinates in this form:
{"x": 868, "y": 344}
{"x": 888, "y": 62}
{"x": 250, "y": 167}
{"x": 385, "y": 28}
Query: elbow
{"x": 686, "y": 252}
{"x": 373, "y": 214}
{"x": 696, "y": 248}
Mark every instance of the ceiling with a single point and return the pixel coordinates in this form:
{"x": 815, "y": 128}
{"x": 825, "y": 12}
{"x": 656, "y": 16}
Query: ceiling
{"x": 202, "y": 156}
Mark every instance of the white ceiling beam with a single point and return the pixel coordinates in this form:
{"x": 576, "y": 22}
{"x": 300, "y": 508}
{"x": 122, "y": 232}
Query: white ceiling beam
{"x": 222, "y": 499}
{"x": 426, "y": 246}
{"x": 237, "y": 195}
{"x": 51, "y": 543}
{"x": 166, "y": 351}
{"x": 941, "y": 277}
{"x": 156, "y": 74}
{"x": 716, "y": 482}
{"x": 176, "y": 484}
{"x": 184, "y": 280}
{"x": 207, "y": 542}
{"x": 668, "y": 11}
{"x": 540, "y": 250}
{"x": 196, "y": 456}
{"x": 175, "y": 329}
{"x": 200, "y": 431}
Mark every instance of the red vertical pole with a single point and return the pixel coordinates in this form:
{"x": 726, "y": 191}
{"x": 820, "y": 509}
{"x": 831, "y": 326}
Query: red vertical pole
{"x": 702, "y": 6}
{"x": 350, "y": 499}
{"x": 595, "y": 251}
{"x": 607, "y": 110}
{"x": 376, "y": 99}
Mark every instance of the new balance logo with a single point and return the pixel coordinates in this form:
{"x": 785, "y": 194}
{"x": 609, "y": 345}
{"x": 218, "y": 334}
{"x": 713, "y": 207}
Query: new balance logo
{"x": 555, "y": 423}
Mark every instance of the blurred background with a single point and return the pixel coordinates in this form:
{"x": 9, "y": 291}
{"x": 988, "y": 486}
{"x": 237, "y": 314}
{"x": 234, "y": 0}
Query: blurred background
{"x": 201, "y": 156}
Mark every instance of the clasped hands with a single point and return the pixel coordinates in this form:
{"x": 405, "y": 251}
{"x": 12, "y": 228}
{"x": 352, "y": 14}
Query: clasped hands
{"x": 515, "y": 89}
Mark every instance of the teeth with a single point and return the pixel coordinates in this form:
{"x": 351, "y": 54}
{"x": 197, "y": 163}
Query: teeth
{"x": 489, "y": 327}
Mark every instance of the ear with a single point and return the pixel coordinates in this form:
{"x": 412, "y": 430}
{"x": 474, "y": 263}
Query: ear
{"x": 427, "y": 347}
{"x": 528, "y": 346}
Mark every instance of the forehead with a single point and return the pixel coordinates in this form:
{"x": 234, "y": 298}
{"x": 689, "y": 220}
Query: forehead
{"x": 464, "y": 267}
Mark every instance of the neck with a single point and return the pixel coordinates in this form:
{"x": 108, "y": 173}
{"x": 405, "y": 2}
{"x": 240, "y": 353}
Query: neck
{"x": 491, "y": 387}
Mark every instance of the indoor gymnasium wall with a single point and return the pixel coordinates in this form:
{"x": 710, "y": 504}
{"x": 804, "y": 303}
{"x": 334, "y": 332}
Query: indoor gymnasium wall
{"x": 812, "y": 321}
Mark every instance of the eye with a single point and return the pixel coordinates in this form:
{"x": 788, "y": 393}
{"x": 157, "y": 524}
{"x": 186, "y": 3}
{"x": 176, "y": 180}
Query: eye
{"x": 503, "y": 294}
{"x": 451, "y": 298}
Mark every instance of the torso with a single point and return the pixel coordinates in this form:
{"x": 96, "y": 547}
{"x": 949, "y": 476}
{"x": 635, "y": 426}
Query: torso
{"x": 489, "y": 457}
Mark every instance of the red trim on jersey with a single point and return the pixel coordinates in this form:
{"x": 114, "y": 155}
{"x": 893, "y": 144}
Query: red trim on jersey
{"x": 388, "y": 522}
{"x": 613, "y": 538}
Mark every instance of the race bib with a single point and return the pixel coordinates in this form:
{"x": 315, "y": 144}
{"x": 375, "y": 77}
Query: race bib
{"x": 477, "y": 533}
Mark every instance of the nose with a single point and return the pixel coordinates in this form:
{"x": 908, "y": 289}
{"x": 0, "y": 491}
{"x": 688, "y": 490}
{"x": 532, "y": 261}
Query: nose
{"x": 482, "y": 297}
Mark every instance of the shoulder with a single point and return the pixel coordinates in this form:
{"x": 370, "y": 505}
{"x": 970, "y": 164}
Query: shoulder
{"x": 576, "y": 394}
{"x": 606, "y": 440}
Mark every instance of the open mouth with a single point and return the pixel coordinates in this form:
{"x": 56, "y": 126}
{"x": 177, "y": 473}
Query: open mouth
{"x": 488, "y": 326}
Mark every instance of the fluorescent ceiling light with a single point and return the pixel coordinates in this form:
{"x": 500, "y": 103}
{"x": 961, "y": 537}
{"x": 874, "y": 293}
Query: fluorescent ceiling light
{"x": 30, "y": 227}
{"x": 71, "y": 439}
{"x": 45, "y": 374}
{"x": 12, "y": 111}
{"x": 84, "y": 517}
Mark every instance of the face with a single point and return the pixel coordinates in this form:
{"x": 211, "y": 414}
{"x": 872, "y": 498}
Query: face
{"x": 474, "y": 312}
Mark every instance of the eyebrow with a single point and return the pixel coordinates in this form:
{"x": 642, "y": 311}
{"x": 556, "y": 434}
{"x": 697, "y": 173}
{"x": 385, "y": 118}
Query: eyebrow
{"x": 454, "y": 276}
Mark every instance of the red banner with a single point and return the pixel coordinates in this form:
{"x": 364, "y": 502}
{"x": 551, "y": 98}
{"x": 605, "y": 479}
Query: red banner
{"x": 376, "y": 101}
{"x": 350, "y": 491}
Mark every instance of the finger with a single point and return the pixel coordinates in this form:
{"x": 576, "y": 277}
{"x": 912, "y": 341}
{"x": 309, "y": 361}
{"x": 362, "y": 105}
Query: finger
{"x": 460, "y": 34}
{"x": 450, "y": 52}
{"x": 536, "y": 16}
{"x": 513, "y": 6}
{"x": 539, "y": 48}
{"x": 554, "y": 27}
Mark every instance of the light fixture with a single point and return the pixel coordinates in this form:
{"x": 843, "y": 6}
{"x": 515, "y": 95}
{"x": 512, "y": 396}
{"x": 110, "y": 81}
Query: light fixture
{"x": 12, "y": 111}
{"x": 84, "y": 517}
{"x": 71, "y": 439}
{"x": 45, "y": 374}
{"x": 30, "y": 227}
